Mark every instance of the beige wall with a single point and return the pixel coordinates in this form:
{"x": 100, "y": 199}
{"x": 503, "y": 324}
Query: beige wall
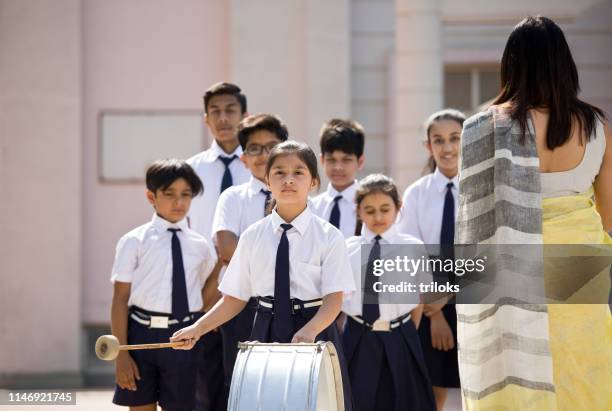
{"x": 40, "y": 176}
{"x": 137, "y": 55}
{"x": 292, "y": 58}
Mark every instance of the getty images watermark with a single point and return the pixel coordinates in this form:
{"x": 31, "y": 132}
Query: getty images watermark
{"x": 489, "y": 274}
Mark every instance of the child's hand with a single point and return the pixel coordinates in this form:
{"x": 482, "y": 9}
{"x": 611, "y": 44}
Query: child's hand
{"x": 431, "y": 309}
{"x": 190, "y": 334}
{"x": 441, "y": 333}
{"x": 126, "y": 371}
{"x": 305, "y": 335}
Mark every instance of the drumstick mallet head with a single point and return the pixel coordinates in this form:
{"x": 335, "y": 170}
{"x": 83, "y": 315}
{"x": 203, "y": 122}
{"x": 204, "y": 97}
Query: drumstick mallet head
{"x": 108, "y": 347}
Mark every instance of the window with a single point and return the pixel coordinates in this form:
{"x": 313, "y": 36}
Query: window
{"x": 467, "y": 88}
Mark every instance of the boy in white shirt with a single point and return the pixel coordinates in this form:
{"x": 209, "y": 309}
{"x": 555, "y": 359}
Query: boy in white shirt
{"x": 238, "y": 208}
{"x": 159, "y": 271}
{"x": 342, "y": 143}
{"x": 219, "y": 168}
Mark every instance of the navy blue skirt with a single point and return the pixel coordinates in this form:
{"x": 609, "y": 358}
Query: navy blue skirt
{"x": 387, "y": 369}
{"x": 443, "y": 366}
{"x": 264, "y": 330}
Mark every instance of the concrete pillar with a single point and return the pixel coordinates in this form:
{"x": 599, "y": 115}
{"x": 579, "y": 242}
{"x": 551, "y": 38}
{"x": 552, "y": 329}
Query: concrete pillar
{"x": 417, "y": 84}
{"x": 40, "y": 176}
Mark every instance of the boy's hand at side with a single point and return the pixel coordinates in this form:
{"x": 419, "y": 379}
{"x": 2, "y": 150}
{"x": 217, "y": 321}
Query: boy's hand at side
{"x": 189, "y": 334}
{"x": 441, "y": 333}
{"x": 126, "y": 371}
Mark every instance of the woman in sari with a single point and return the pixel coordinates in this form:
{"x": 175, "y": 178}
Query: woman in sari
{"x": 536, "y": 168}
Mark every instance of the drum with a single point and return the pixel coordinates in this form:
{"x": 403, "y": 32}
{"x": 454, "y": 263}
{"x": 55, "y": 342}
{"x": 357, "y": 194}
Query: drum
{"x": 296, "y": 377}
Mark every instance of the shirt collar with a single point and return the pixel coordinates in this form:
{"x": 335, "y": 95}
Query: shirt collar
{"x": 388, "y": 236}
{"x": 300, "y": 223}
{"x": 441, "y": 180}
{"x": 215, "y": 151}
{"x": 255, "y": 185}
{"x": 347, "y": 194}
{"x": 162, "y": 224}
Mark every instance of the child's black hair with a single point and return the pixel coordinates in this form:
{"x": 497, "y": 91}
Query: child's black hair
{"x": 343, "y": 135}
{"x": 375, "y": 183}
{"x": 268, "y": 122}
{"x": 162, "y": 173}
{"x": 219, "y": 89}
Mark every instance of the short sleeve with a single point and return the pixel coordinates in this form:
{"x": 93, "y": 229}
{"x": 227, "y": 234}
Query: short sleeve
{"x": 208, "y": 262}
{"x": 126, "y": 260}
{"x": 225, "y": 213}
{"x": 236, "y": 280}
{"x": 409, "y": 221}
{"x": 336, "y": 272}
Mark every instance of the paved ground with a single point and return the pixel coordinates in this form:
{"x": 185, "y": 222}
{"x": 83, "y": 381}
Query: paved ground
{"x": 98, "y": 400}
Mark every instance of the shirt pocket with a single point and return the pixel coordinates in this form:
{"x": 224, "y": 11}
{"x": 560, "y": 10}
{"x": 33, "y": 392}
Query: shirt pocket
{"x": 309, "y": 280}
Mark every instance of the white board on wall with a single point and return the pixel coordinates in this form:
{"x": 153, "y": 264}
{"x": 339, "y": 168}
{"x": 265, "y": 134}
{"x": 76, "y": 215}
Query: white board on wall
{"x": 129, "y": 141}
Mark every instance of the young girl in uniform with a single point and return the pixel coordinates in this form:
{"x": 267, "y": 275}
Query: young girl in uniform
{"x": 381, "y": 342}
{"x": 430, "y": 208}
{"x": 295, "y": 263}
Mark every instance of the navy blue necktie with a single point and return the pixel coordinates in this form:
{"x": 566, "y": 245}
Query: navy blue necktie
{"x": 334, "y": 217}
{"x": 447, "y": 234}
{"x": 227, "y": 180}
{"x": 268, "y": 195}
{"x": 282, "y": 298}
{"x": 180, "y": 302}
{"x": 370, "y": 311}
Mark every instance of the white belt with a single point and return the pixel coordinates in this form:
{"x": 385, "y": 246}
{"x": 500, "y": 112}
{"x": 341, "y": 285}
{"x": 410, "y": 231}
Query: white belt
{"x": 383, "y": 325}
{"x": 310, "y": 304}
{"x": 158, "y": 321}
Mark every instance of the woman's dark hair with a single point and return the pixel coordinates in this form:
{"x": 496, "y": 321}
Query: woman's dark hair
{"x": 267, "y": 122}
{"x": 375, "y": 183}
{"x": 446, "y": 114}
{"x": 301, "y": 150}
{"x": 538, "y": 71}
{"x": 162, "y": 173}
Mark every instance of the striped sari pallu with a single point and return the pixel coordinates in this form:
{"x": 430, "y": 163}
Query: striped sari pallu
{"x": 505, "y": 361}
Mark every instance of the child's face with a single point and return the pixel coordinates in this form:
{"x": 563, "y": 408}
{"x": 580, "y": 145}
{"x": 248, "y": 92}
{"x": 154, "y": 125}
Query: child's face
{"x": 223, "y": 117}
{"x": 261, "y": 141}
{"x": 378, "y": 212}
{"x": 172, "y": 204}
{"x": 444, "y": 143}
{"x": 341, "y": 168}
{"x": 290, "y": 181}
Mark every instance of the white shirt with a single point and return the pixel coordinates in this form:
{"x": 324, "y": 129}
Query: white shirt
{"x": 239, "y": 207}
{"x": 353, "y": 305}
{"x": 144, "y": 258}
{"x": 318, "y": 259}
{"x": 210, "y": 170}
{"x": 323, "y": 203}
{"x": 421, "y": 214}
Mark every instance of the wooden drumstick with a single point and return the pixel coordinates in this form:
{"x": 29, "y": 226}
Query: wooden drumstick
{"x": 108, "y": 347}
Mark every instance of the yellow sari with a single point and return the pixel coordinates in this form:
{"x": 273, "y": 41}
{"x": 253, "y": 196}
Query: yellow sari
{"x": 580, "y": 334}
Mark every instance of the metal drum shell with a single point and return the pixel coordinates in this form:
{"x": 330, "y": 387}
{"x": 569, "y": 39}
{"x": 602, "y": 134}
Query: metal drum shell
{"x": 296, "y": 377}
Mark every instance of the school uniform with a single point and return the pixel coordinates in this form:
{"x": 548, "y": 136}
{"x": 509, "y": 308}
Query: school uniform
{"x": 218, "y": 171}
{"x": 338, "y": 208}
{"x": 289, "y": 268}
{"x": 426, "y": 203}
{"x": 167, "y": 265}
{"x": 386, "y": 367}
{"x": 238, "y": 208}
